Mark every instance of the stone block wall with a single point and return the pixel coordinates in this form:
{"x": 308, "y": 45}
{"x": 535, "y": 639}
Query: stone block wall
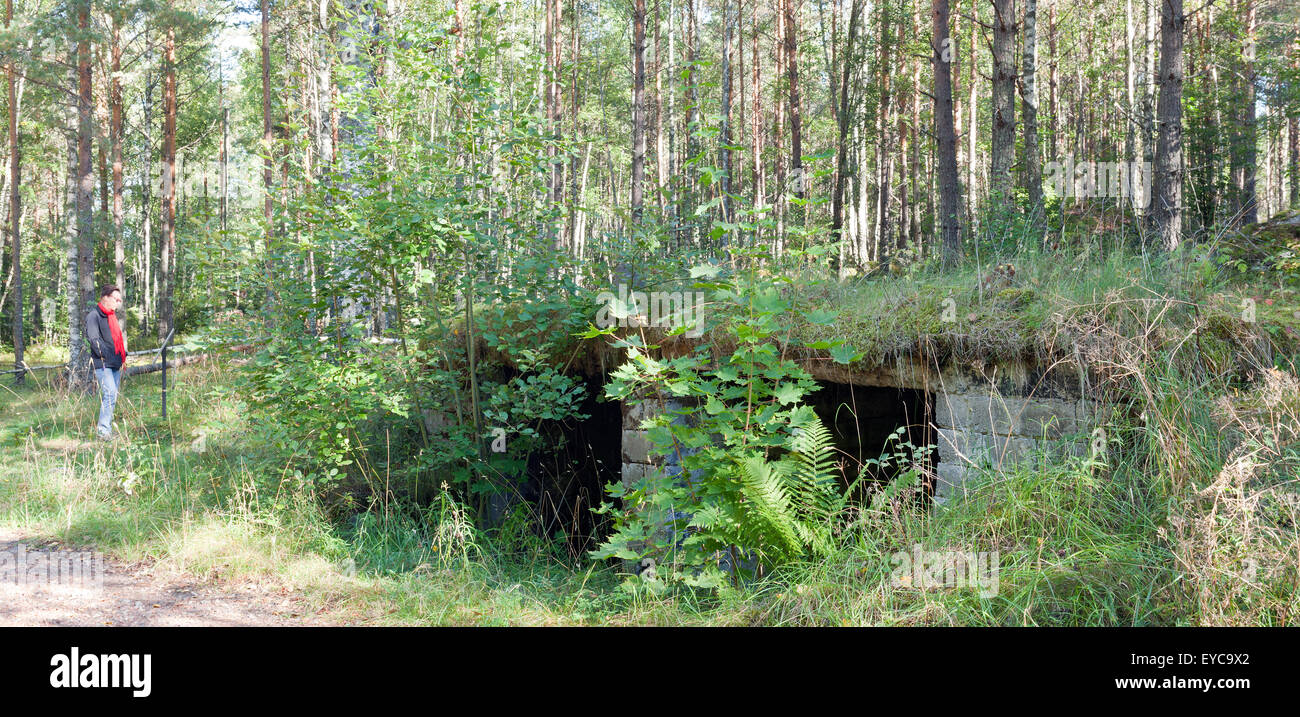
{"x": 638, "y": 459}
{"x": 994, "y": 418}
{"x": 991, "y": 429}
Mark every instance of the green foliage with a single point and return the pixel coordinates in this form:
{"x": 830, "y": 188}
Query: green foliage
{"x": 747, "y": 479}
{"x": 290, "y": 381}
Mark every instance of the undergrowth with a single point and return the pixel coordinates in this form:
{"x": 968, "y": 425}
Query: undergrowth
{"x": 1185, "y": 513}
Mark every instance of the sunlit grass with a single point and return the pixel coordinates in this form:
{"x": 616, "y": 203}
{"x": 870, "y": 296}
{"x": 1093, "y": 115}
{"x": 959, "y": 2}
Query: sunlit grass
{"x": 1127, "y": 543}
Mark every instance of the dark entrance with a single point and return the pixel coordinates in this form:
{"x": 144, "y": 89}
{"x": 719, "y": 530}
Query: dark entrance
{"x": 565, "y": 477}
{"x": 863, "y": 421}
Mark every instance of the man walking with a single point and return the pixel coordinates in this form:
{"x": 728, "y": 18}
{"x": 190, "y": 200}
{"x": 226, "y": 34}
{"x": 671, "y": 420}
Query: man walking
{"x": 107, "y": 354}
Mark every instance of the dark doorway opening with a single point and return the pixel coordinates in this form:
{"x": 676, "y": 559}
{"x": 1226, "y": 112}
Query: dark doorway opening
{"x": 863, "y": 421}
{"x": 566, "y": 475}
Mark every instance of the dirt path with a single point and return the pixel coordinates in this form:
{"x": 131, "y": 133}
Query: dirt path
{"x": 58, "y": 585}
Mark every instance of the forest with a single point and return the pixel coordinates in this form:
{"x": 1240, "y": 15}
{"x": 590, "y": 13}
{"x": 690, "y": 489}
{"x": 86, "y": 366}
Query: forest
{"x": 667, "y": 312}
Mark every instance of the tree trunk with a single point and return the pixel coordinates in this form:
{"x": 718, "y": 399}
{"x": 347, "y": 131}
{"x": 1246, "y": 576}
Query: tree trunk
{"x": 146, "y": 205}
{"x": 1033, "y": 175}
{"x": 1004, "y": 120}
{"x": 758, "y": 176}
{"x": 167, "y": 267}
{"x": 1149, "y": 86}
{"x": 554, "y": 110}
{"x": 1166, "y": 212}
{"x": 1130, "y": 72}
{"x": 662, "y": 121}
{"x": 15, "y": 207}
{"x": 724, "y": 138}
{"x": 796, "y": 112}
{"x": 880, "y": 234}
{"x": 72, "y": 283}
{"x": 778, "y": 110}
{"x": 1293, "y": 161}
{"x": 913, "y": 218}
{"x": 638, "y": 109}
{"x": 1053, "y": 146}
{"x": 575, "y": 217}
{"x": 972, "y": 160}
{"x": 115, "y": 139}
{"x": 948, "y": 226}
{"x": 842, "y": 146}
{"x": 85, "y": 190}
{"x": 268, "y": 176}
{"x": 1250, "y": 212}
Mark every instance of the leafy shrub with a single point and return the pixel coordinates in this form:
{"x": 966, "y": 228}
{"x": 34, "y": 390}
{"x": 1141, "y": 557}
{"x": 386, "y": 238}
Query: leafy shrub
{"x": 748, "y": 476}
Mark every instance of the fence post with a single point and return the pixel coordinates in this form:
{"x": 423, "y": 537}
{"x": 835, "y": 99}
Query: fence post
{"x": 164, "y": 372}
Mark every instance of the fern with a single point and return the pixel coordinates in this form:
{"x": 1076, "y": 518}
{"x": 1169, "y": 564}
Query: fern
{"x": 733, "y": 414}
{"x": 812, "y": 462}
{"x": 769, "y": 507}
{"x": 795, "y": 500}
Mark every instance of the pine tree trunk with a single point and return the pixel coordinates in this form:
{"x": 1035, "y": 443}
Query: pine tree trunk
{"x": 841, "y": 146}
{"x": 972, "y": 159}
{"x": 796, "y": 112}
{"x": 1293, "y": 161}
{"x": 1250, "y": 212}
{"x": 638, "y": 110}
{"x": 1033, "y": 175}
{"x": 914, "y": 131}
{"x": 778, "y": 111}
{"x": 1004, "y": 120}
{"x": 661, "y": 120}
{"x": 554, "y": 110}
{"x": 948, "y": 225}
{"x": 575, "y": 12}
{"x": 724, "y": 139}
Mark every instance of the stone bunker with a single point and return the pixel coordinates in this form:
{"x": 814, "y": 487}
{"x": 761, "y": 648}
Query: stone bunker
{"x": 974, "y": 415}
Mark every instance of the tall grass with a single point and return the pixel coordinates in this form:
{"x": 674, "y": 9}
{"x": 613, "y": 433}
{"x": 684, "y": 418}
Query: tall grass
{"x": 1189, "y": 515}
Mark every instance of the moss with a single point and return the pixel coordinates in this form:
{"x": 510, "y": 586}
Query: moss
{"x": 944, "y": 314}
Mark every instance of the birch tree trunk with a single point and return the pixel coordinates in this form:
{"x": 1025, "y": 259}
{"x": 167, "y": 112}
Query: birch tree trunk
{"x": 115, "y": 139}
{"x": 1004, "y": 120}
{"x": 167, "y": 267}
{"x": 83, "y": 287}
{"x": 72, "y": 263}
{"x": 842, "y": 146}
{"x": 1166, "y": 212}
{"x": 15, "y": 207}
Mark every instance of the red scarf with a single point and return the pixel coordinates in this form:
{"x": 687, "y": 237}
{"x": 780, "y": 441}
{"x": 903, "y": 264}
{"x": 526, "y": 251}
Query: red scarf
{"x": 119, "y": 344}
